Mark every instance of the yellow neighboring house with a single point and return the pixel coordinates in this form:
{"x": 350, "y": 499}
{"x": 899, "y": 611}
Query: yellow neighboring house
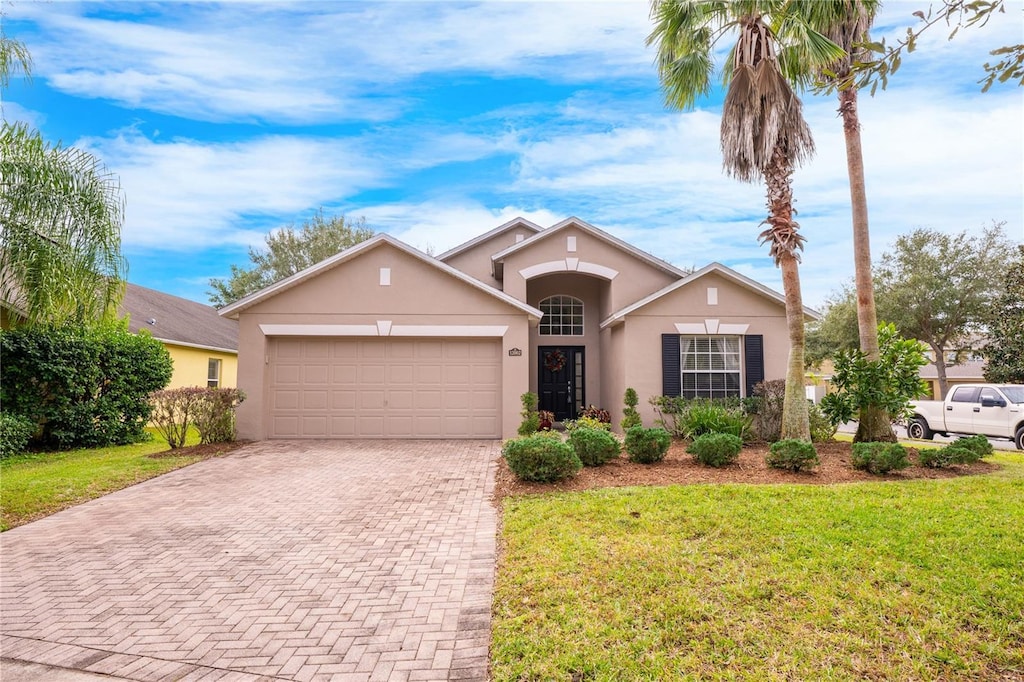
{"x": 203, "y": 345}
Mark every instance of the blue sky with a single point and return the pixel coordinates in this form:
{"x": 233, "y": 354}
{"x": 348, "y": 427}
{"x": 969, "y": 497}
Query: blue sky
{"x": 437, "y": 121}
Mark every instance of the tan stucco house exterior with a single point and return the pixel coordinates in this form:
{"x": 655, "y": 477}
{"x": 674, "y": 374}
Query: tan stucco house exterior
{"x": 384, "y": 341}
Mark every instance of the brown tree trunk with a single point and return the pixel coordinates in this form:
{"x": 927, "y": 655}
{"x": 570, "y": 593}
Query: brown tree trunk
{"x": 874, "y": 424}
{"x": 784, "y": 239}
{"x": 940, "y": 370}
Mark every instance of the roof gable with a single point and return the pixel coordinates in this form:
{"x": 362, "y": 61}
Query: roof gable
{"x": 176, "y": 320}
{"x": 555, "y": 229}
{"x": 514, "y": 224}
{"x": 355, "y": 252}
{"x": 717, "y": 268}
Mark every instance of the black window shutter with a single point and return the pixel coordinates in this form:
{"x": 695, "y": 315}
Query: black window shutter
{"x": 671, "y": 381}
{"x": 753, "y": 356}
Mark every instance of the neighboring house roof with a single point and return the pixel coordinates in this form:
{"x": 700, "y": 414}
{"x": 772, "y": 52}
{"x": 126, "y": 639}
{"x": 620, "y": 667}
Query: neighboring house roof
{"x": 178, "y": 321}
{"x": 515, "y": 223}
{"x": 355, "y": 251}
{"x": 972, "y": 370}
{"x": 665, "y": 266}
{"x": 718, "y": 268}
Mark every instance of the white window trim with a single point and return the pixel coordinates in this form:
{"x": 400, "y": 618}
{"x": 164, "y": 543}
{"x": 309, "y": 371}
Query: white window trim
{"x": 573, "y": 301}
{"x": 740, "y": 372}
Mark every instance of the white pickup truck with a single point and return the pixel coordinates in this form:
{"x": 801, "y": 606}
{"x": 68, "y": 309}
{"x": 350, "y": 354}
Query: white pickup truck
{"x": 990, "y": 409}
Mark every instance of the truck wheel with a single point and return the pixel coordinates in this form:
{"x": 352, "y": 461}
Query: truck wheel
{"x": 1018, "y": 438}
{"x": 917, "y": 428}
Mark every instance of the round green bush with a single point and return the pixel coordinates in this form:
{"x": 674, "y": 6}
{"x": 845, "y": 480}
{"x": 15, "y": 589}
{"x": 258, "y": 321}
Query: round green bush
{"x": 978, "y": 444}
{"x": 716, "y": 449}
{"x": 541, "y": 458}
{"x": 594, "y": 446}
{"x": 647, "y": 446}
{"x": 15, "y": 433}
{"x": 934, "y": 458}
{"x": 879, "y": 458}
{"x": 792, "y": 454}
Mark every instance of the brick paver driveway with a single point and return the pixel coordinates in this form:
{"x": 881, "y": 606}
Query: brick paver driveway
{"x": 362, "y": 560}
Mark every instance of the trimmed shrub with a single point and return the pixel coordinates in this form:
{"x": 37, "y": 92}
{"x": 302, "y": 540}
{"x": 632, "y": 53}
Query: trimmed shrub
{"x": 822, "y": 430}
{"x": 215, "y": 417}
{"x": 879, "y": 458}
{"x": 792, "y": 454}
{"x": 647, "y": 446}
{"x": 594, "y": 447}
{"x": 83, "y": 387}
{"x": 961, "y": 455}
{"x": 174, "y": 410}
{"x": 15, "y": 433}
{"x": 978, "y": 444}
{"x": 586, "y": 423}
{"x": 716, "y": 449}
{"x": 934, "y": 458}
{"x": 540, "y": 458}
{"x": 531, "y": 419}
{"x": 630, "y": 417}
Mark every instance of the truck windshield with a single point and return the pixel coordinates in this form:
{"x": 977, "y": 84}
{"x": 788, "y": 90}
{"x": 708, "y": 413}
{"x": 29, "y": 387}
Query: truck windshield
{"x": 1015, "y": 394}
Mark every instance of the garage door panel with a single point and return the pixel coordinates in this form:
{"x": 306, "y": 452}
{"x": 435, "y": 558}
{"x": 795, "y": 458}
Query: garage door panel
{"x": 374, "y": 388}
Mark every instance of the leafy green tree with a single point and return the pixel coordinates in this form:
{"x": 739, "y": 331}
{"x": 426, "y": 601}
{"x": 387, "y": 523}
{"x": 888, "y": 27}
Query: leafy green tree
{"x": 1005, "y": 348}
{"x": 60, "y": 223}
{"x": 288, "y": 251}
{"x": 763, "y": 132}
{"x": 890, "y": 382}
{"x": 836, "y": 330}
{"x": 937, "y": 288}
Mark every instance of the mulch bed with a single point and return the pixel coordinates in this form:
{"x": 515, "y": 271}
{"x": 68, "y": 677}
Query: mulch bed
{"x": 202, "y": 451}
{"x": 678, "y": 468}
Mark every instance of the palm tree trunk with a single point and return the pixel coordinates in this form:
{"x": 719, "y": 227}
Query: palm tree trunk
{"x": 874, "y": 423}
{"x": 782, "y": 233}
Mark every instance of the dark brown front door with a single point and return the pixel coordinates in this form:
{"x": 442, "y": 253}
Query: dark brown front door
{"x": 560, "y": 386}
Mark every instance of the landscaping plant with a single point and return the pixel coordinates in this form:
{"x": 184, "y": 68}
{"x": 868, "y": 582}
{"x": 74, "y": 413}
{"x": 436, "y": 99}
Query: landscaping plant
{"x": 594, "y": 447}
{"x": 792, "y": 454}
{"x": 531, "y": 419}
{"x": 879, "y": 458}
{"x": 630, "y": 416}
{"x": 716, "y": 449}
{"x": 592, "y": 412}
{"x": 586, "y": 423}
{"x": 647, "y": 446}
{"x": 822, "y": 428}
{"x": 541, "y": 458}
{"x": 15, "y": 433}
{"x": 689, "y": 418}
{"x": 978, "y": 444}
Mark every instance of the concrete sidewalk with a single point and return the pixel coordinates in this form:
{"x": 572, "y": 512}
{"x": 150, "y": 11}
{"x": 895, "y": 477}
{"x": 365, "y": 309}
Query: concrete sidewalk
{"x": 342, "y": 560}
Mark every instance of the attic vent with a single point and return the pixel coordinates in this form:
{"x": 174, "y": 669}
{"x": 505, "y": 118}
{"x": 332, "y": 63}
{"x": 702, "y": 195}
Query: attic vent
{"x": 712, "y": 295}
{"x": 570, "y": 244}
{"x": 520, "y": 237}
{"x": 151, "y": 320}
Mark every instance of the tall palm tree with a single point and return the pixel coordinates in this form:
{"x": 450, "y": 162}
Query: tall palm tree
{"x": 846, "y": 23}
{"x": 60, "y": 223}
{"x": 763, "y": 133}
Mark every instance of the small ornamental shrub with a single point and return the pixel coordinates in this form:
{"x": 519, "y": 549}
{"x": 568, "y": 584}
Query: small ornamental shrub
{"x": 531, "y": 420}
{"x": 594, "y": 447}
{"x": 215, "y": 416}
{"x": 586, "y": 423}
{"x": 716, "y": 449}
{"x": 822, "y": 430}
{"x": 174, "y": 410}
{"x": 978, "y": 444}
{"x": 934, "y": 458}
{"x": 879, "y": 458}
{"x": 691, "y": 418}
{"x": 15, "y": 433}
{"x": 792, "y": 454}
{"x": 630, "y": 417}
{"x": 961, "y": 455}
{"x": 540, "y": 458}
{"x": 603, "y": 416}
{"x": 647, "y": 446}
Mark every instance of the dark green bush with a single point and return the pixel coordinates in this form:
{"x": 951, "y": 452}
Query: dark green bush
{"x": 647, "y": 446}
{"x": 594, "y": 447}
{"x": 935, "y": 458}
{"x": 716, "y": 449}
{"x": 531, "y": 419}
{"x": 822, "y": 429}
{"x": 689, "y": 418}
{"x": 82, "y": 387}
{"x": 15, "y": 433}
{"x": 630, "y": 417}
{"x": 879, "y": 458}
{"x": 540, "y": 458}
{"x": 977, "y": 444}
{"x": 793, "y": 455}
{"x": 961, "y": 455}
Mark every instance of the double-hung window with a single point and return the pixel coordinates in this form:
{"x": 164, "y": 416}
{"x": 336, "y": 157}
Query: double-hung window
{"x": 213, "y": 373}
{"x": 710, "y": 366}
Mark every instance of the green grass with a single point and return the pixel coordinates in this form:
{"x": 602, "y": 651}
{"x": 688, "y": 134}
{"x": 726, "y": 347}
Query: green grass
{"x": 38, "y": 484}
{"x": 918, "y": 580}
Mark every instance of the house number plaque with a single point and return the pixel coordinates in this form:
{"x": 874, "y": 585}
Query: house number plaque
{"x": 514, "y": 352}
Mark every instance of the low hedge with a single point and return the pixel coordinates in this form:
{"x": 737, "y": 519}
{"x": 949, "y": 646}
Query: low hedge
{"x": 647, "y": 446}
{"x": 879, "y": 458}
{"x": 716, "y": 449}
{"x": 541, "y": 458}
{"x": 792, "y": 454}
{"x": 594, "y": 447}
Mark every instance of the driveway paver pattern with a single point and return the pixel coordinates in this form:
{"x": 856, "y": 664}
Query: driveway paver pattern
{"x": 339, "y": 560}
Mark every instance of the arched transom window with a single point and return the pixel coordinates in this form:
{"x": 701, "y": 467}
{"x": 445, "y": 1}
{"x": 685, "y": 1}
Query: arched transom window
{"x": 563, "y": 316}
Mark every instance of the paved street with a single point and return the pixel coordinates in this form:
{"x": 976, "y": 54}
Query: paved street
{"x": 343, "y": 560}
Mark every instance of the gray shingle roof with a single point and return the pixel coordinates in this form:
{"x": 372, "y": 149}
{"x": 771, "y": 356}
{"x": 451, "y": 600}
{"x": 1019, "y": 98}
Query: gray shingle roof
{"x": 178, "y": 320}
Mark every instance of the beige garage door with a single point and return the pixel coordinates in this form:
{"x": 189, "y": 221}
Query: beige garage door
{"x": 384, "y": 388}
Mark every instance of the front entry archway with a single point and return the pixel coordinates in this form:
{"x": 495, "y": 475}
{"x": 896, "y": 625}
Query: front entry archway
{"x": 560, "y": 380}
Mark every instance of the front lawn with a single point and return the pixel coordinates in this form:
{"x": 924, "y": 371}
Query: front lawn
{"x": 38, "y": 484}
{"x": 920, "y": 579}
